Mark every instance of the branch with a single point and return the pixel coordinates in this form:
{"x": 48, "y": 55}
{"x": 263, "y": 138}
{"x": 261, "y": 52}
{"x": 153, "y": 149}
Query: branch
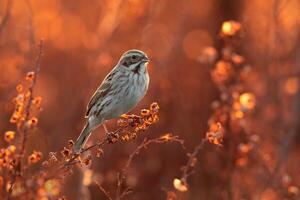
{"x": 31, "y": 90}
{"x": 24, "y": 130}
{"x": 144, "y": 145}
{"x": 188, "y": 168}
{"x": 120, "y": 194}
{"x": 107, "y": 195}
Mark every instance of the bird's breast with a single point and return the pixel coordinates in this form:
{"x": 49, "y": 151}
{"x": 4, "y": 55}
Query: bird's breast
{"x": 131, "y": 91}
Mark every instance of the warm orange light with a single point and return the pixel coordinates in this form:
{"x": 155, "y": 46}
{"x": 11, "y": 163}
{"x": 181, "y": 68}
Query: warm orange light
{"x": 32, "y": 122}
{"x": 215, "y": 134}
{"x": 35, "y": 157}
{"x": 238, "y": 114}
{"x": 247, "y": 100}
{"x": 30, "y": 76}
{"x": 9, "y": 136}
{"x": 11, "y": 148}
{"x": 293, "y": 190}
{"x": 230, "y": 28}
{"x": 291, "y": 86}
{"x": 180, "y": 185}
{"x": 241, "y": 162}
{"x": 244, "y": 148}
{"x": 166, "y": 137}
{"x": 222, "y": 71}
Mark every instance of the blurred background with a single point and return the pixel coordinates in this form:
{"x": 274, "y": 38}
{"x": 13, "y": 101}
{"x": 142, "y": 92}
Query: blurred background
{"x": 83, "y": 42}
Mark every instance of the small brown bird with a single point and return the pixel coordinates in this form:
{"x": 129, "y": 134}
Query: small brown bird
{"x": 119, "y": 92}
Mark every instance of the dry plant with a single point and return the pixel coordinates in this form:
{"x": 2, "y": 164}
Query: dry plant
{"x": 17, "y": 179}
{"x": 13, "y": 163}
{"x": 229, "y": 110}
{"x": 123, "y": 190}
{"x": 231, "y": 118}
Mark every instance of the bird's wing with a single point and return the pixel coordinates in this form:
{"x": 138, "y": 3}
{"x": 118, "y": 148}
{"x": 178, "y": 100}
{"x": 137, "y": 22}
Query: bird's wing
{"x": 103, "y": 89}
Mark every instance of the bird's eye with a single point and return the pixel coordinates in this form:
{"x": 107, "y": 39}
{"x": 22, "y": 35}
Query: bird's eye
{"x": 134, "y": 57}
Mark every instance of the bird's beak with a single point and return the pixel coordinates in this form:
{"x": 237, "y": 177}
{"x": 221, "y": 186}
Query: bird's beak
{"x": 145, "y": 59}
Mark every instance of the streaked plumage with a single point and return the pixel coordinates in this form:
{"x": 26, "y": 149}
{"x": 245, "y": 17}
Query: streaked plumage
{"x": 118, "y": 93}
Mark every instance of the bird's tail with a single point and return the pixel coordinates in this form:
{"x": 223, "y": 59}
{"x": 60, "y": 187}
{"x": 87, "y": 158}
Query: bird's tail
{"x": 83, "y": 137}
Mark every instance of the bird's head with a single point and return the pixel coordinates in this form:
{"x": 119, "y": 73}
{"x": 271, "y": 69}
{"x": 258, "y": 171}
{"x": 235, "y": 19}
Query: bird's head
{"x": 134, "y": 60}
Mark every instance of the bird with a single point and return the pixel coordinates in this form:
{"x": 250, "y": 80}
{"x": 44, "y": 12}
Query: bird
{"x": 120, "y": 91}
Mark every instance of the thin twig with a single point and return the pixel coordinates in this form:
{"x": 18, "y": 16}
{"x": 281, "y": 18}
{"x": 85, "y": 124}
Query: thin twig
{"x": 107, "y": 195}
{"x": 188, "y": 167}
{"x": 146, "y": 143}
{"x": 72, "y": 161}
{"x": 98, "y": 144}
{"x": 31, "y": 90}
{"x": 120, "y": 194}
{"x": 24, "y": 131}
